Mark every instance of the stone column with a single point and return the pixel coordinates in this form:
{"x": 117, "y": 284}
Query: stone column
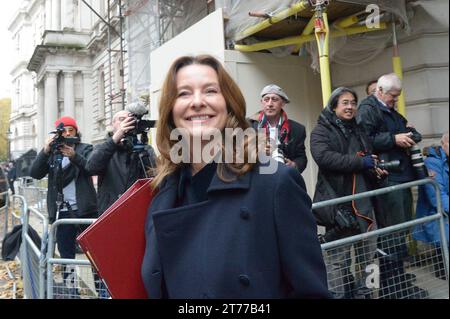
{"x": 41, "y": 133}
{"x": 88, "y": 119}
{"x": 51, "y": 100}
{"x": 69, "y": 96}
{"x": 56, "y": 15}
{"x": 48, "y": 14}
{"x": 68, "y": 14}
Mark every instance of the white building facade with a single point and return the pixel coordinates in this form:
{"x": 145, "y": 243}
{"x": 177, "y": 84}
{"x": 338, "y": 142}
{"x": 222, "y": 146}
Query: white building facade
{"x": 69, "y": 63}
{"x": 62, "y": 68}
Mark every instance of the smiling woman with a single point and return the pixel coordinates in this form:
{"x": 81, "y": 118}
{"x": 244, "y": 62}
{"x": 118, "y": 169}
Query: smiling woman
{"x": 224, "y": 229}
{"x": 200, "y": 102}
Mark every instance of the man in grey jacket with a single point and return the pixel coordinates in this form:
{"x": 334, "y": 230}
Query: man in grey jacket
{"x": 117, "y": 166}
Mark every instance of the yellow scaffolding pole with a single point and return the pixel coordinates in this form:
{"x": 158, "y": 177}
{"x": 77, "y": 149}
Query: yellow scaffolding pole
{"x": 322, "y": 34}
{"x": 397, "y": 67}
{"x": 347, "y": 22}
{"x": 301, "y": 39}
{"x": 295, "y": 8}
{"x": 309, "y": 28}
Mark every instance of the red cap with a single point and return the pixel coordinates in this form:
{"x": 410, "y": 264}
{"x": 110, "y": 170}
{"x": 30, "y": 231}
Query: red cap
{"x": 67, "y": 121}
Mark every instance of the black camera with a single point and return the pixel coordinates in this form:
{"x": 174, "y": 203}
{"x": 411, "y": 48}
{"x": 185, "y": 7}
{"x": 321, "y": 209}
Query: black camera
{"x": 141, "y": 127}
{"x": 415, "y": 136}
{"x": 416, "y": 155}
{"x": 345, "y": 223}
{"x": 388, "y": 166}
{"x": 59, "y": 139}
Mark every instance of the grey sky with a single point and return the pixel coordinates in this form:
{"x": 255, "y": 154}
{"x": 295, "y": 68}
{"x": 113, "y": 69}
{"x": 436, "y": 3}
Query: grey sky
{"x": 7, "y": 10}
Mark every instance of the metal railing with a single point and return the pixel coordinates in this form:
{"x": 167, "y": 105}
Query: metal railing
{"x": 350, "y": 261}
{"x": 33, "y": 257}
{"x": 4, "y": 210}
{"x": 85, "y": 280}
{"x": 71, "y": 278}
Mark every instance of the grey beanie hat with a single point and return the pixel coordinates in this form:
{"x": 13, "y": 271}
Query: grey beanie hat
{"x": 274, "y": 89}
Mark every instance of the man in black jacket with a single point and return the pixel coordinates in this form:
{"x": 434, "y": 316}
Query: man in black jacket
{"x": 288, "y": 134}
{"x": 392, "y": 136}
{"x": 117, "y": 166}
{"x": 12, "y": 175}
{"x": 74, "y": 182}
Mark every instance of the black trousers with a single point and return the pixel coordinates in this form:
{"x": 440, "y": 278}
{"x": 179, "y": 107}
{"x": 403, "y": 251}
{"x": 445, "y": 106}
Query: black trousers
{"x": 11, "y": 187}
{"x": 66, "y": 235}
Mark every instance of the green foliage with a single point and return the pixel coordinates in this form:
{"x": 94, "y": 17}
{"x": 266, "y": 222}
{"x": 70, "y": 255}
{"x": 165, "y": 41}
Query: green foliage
{"x": 5, "y": 111}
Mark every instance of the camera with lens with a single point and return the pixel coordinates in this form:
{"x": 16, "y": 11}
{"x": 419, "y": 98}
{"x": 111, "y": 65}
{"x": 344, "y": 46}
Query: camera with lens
{"x": 416, "y": 154}
{"x": 345, "y": 222}
{"x": 388, "y": 166}
{"x": 279, "y": 153}
{"x": 60, "y": 140}
{"x": 141, "y": 128}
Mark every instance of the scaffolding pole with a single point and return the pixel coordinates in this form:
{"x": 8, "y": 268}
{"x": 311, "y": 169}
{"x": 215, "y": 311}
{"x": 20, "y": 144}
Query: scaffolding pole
{"x": 122, "y": 60}
{"x": 322, "y": 33}
{"x": 397, "y": 67}
{"x": 119, "y": 34}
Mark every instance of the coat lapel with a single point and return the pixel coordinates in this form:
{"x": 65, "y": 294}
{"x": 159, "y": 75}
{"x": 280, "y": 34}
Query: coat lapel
{"x": 168, "y": 193}
{"x": 240, "y": 182}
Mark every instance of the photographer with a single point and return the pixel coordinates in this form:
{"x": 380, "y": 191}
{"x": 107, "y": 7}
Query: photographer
{"x": 116, "y": 164}
{"x": 12, "y": 175}
{"x": 393, "y": 139}
{"x": 74, "y": 181}
{"x": 288, "y": 134}
{"x": 346, "y": 167}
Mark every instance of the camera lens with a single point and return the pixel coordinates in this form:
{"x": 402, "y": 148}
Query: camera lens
{"x": 417, "y": 162}
{"x": 391, "y": 165}
{"x": 416, "y": 156}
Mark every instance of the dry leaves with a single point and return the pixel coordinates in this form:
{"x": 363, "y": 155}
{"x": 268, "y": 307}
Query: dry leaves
{"x": 7, "y": 284}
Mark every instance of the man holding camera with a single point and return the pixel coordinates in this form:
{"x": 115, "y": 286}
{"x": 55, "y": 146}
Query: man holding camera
{"x": 63, "y": 158}
{"x": 117, "y": 165}
{"x": 288, "y": 134}
{"x": 393, "y": 138}
{"x": 12, "y": 175}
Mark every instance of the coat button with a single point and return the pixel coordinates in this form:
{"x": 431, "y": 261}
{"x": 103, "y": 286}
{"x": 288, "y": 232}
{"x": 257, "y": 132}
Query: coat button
{"x": 245, "y": 214}
{"x": 244, "y": 280}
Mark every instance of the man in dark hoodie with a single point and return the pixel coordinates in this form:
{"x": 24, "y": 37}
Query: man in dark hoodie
{"x": 346, "y": 166}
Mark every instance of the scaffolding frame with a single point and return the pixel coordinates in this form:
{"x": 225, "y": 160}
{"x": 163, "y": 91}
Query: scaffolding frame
{"x": 165, "y": 12}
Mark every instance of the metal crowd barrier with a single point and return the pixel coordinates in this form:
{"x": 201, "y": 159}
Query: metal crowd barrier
{"x": 4, "y": 210}
{"x": 36, "y": 197}
{"x": 373, "y": 265}
{"x": 71, "y": 278}
{"x": 33, "y": 257}
{"x": 74, "y": 278}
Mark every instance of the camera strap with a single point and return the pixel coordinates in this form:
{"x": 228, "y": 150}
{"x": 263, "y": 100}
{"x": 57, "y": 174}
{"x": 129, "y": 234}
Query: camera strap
{"x": 355, "y": 210}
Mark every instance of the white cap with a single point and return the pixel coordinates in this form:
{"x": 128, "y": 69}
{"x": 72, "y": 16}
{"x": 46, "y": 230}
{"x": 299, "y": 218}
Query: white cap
{"x": 275, "y": 89}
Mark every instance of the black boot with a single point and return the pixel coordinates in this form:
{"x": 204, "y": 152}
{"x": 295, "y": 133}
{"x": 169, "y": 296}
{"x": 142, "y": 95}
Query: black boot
{"x": 396, "y": 284}
{"x": 438, "y": 264}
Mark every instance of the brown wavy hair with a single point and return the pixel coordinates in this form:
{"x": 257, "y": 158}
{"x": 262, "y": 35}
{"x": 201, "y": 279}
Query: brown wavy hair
{"x": 236, "y": 109}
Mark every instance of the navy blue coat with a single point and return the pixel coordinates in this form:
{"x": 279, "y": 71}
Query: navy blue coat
{"x": 254, "y": 237}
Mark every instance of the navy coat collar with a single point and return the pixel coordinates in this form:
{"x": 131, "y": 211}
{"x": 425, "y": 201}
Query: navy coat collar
{"x": 238, "y": 182}
{"x": 168, "y": 191}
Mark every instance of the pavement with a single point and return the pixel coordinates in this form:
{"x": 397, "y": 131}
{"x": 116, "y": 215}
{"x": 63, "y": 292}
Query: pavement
{"x": 11, "y": 286}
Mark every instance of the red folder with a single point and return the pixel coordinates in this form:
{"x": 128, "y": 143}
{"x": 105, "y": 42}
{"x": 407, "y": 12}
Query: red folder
{"x": 115, "y": 243}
